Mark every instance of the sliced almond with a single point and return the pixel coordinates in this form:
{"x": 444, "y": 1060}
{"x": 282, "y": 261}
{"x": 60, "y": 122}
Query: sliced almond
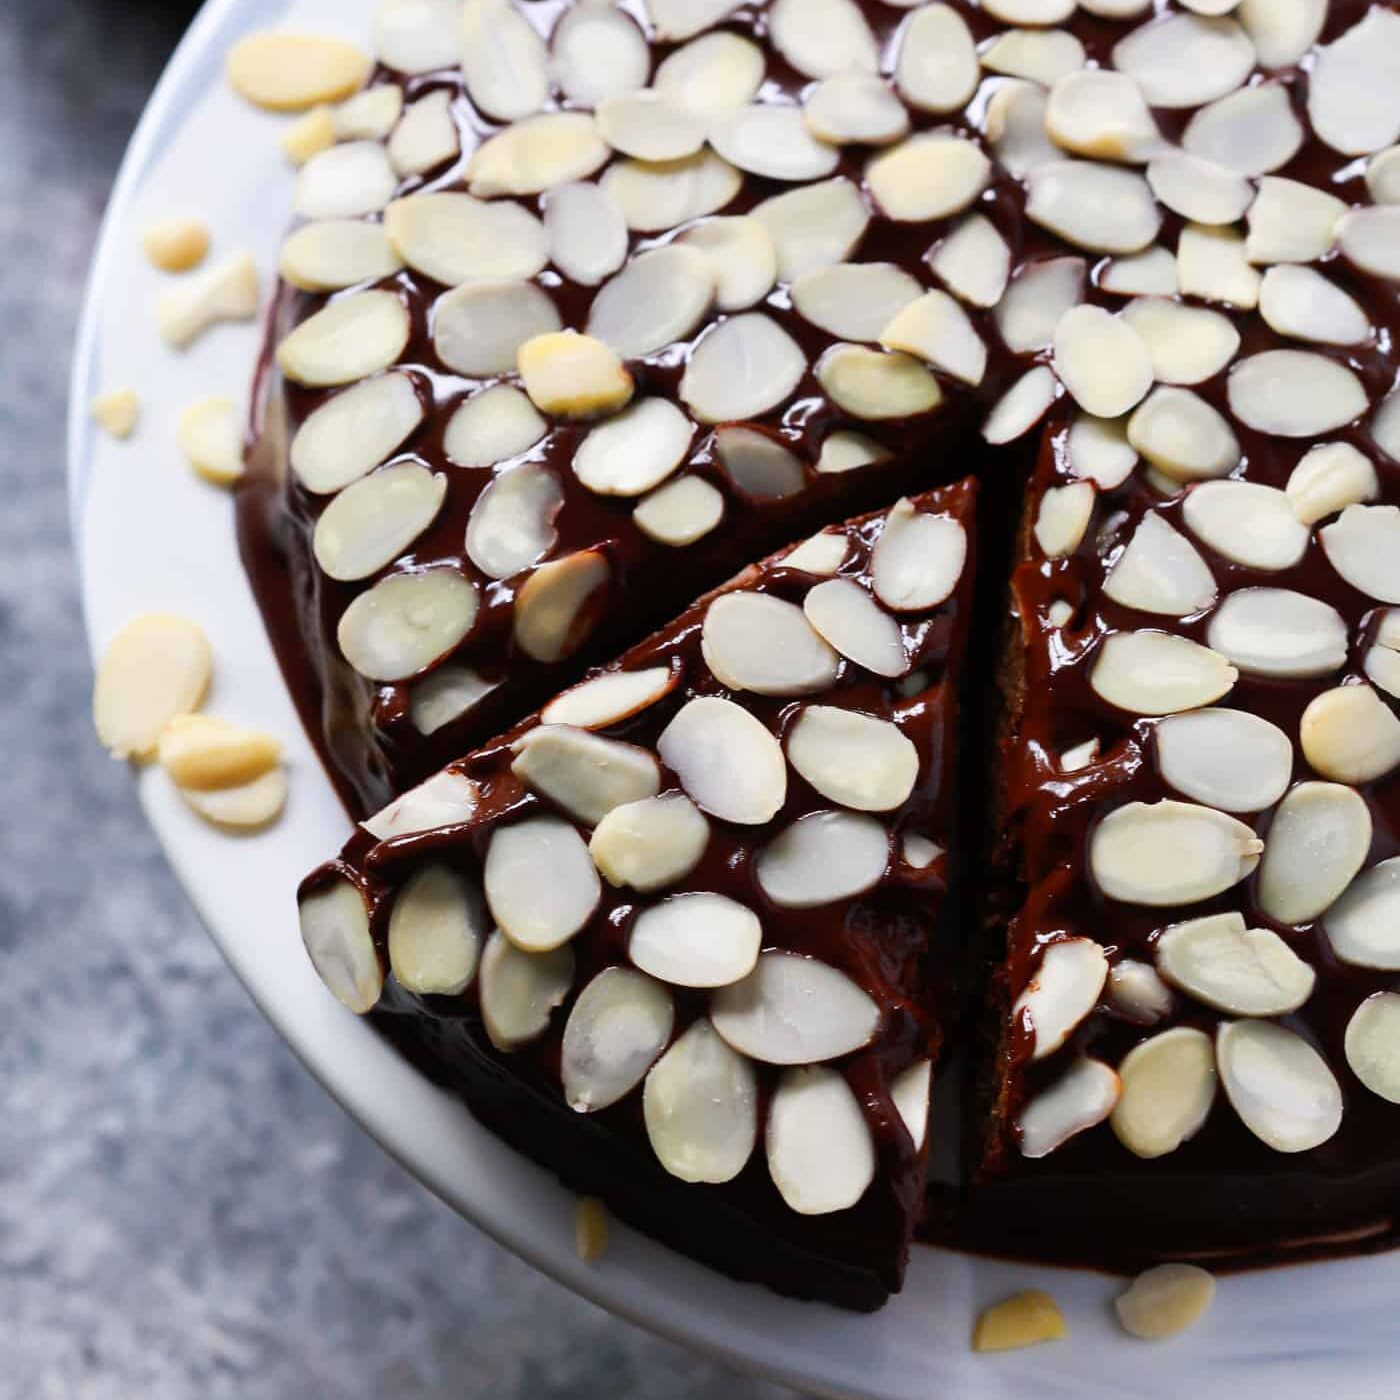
{"x": 609, "y": 698}
{"x": 1279, "y": 632}
{"x": 345, "y": 181}
{"x": 929, "y": 175}
{"x": 794, "y": 1010}
{"x": 426, "y": 136}
{"x": 1382, "y": 660}
{"x": 743, "y": 260}
{"x": 1228, "y": 759}
{"x": 492, "y": 427}
{"x": 587, "y": 231}
{"x": 918, "y": 852}
{"x": 754, "y": 641}
{"x": 1041, "y": 55}
{"x": 436, "y": 930}
{"x": 1023, "y": 1320}
{"x": 937, "y": 68}
{"x": 335, "y": 932}
{"x": 822, "y": 37}
{"x": 634, "y": 451}
{"x": 854, "y": 759}
{"x": 854, "y": 301}
{"x": 245, "y": 807}
{"x": 1099, "y": 451}
{"x": 286, "y": 72}
{"x": 1165, "y": 1301}
{"x": 854, "y": 108}
{"x": 352, "y": 432}
{"x": 446, "y": 799}
{"x": 696, "y": 940}
{"x": 650, "y": 125}
{"x": 309, "y": 135}
{"x": 1187, "y": 344}
{"x": 873, "y": 385}
{"x": 1385, "y": 425}
{"x": 598, "y": 52}
{"x": 1062, "y": 517}
{"x": 1367, "y": 238}
{"x": 1169, "y": 1084}
{"x": 1150, "y": 273}
{"x": 658, "y": 195}
{"x": 1349, "y": 734}
{"x": 1294, "y": 393}
{"x": 759, "y": 463}
{"x": 1352, "y": 100}
{"x": 650, "y": 844}
{"x": 332, "y": 254}
{"x": 1022, "y": 406}
{"x": 1101, "y": 114}
{"x": 1160, "y": 571}
{"x": 938, "y": 330}
{"x": 375, "y": 519}
{"x": 228, "y": 291}
{"x": 1211, "y": 263}
{"x": 1038, "y": 299}
{"x": 1239, "y": 970}
{"x": 616, "y": 1030}
{"x": 973, "y": 262}
{"x": 820, "y": 1153}
{"x": 417, "y": 36}
{"x": 1156, "y": 673}
{"x": 1104, "y": 363}
{"x": 772, "y": 141}
{"x": 813, "y": 227}
{"x": 1199, "y": 189}
{"x": 659, "y": 297}
{"x": 1279, "y": 1085}
{"x": 1251, "y": 132}
{"x": 348, "y": 339}
{"x": 1282, "y": 31}
{"x": 1210, "y": 853}
{"x": 727, "y": 762}
{"x": 821, "y": 555}
{"x": 1372, "y": 1040}
{"x": 918, "y": 558}
{"x": 700, "y": 1104}
{"x": 444, "y": 695}
{"x": 537, "y": 915}
{"x": 116, "y": 412}
{"x": 846, "y": 451}
{"x": 1136, "y": 993}
{"x": 1062, "y": 991}
{"x": 1360, "y": 546}
{"x": 1250, "y": 524}
{"x": 1318, "y": 840}
{"x": 520, "y": 990}
{"x": 1099, "y": 207}
{"x": 209, "y": 434}
{"x": 559, "y": 603}
{"x": 855, "y": 624}
{"x": 569, "y": 375}
{"x": 175, "y": 244}
{"x": 741, "y": 369}
{"x": 1014, "y": 125}
{"x": 1291, "y": 222}
{"x": 155, "y": 668}
{"x": 713, "y": 73}
{"x": 479, "y": 328}
{"x": 454, "y": 238}
{"x": 1298, "y": 302}
{"x": 821, "y": 858}
{"x": 582, "y": 772}
{"x": 909, "y": 1090}
{"x": 680, "y": 512}
{"x": 369, "y": 115}
{"x": 1183, "y": 436}
{"x": 503, "y": 60}
{"x": 535, "y": 155}
{"x": 1184, "y": 60}
{"x": 1080, "y": 1099}
{"x": 1361, "y": 925}
{"x": 406, "y": 622}
{"x": 202, "y": 753}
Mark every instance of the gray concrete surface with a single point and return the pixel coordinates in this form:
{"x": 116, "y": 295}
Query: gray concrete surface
{"x": 183, "y": 1214}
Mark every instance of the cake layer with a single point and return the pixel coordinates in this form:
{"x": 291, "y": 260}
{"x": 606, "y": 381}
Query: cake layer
{"x": 672, "y": 935}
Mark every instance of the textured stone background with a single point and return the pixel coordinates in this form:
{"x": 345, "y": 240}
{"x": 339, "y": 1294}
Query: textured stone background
{"x": 183, "y": 1214}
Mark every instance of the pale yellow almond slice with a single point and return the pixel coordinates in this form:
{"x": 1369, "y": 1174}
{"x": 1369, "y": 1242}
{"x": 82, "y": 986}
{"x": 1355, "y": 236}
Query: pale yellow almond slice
{"x": 116, "y": 412}
{"x": 286, "y": 72}
{"x": 203, "y": 753}
{"x": 1164, "y": 1301}
{"x": 157, "y": 667}
{"x": 246, "y": 807}
{"x": 228, "y": 291}
{"x": 1022, "y": 1320}
{"x": 309, "y": 135}
{"x": 211, "y": 439}
{"x": 572, "y": 375}
{"x": 176, "y": 244}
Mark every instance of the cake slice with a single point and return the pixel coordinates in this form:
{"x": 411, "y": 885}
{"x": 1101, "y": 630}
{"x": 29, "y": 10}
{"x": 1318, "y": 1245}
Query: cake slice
{"x": 671, "y": 936}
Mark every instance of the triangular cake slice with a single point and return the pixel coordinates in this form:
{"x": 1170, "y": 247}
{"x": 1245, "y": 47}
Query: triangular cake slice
{"x": 671, "y": 936}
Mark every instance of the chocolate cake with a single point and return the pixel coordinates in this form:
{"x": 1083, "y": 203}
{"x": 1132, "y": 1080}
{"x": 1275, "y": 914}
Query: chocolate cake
{"x": 592, "y": 307}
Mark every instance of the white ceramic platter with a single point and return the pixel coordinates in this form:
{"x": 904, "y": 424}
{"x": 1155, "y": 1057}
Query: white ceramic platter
{"x": 152, "y": 536}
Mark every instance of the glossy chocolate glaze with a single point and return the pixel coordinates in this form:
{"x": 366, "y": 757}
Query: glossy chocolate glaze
{"x": 881, "y": 939}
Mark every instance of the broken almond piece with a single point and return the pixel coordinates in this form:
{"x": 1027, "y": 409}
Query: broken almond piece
{"x": 246, "y": 807}
{"x": 286, "y": 72}
{"x": 177, "y": 244}
{"x": 157, "y": 667}
{"x": 228, "y": 291}
{"x": 309, "y": 135}
{"x": 1022, "y": 1320}
{"x": 116, "y": 412}
{"x": 1164, "y": 1301}
{"x": 203, "y": 753}
{"x": 572, "y": 375}
{"x": 590, "y": 1229}
{"x": 211, "y": 439}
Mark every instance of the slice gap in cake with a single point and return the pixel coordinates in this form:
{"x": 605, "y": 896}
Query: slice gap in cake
{"x": 670, "y": 936}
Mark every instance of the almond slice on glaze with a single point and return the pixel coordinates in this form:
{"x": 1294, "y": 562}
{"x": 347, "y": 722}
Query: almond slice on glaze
{"x": 1228, "y": 759}
{"x": 1185, "y": 60}
{"x": 1150, "y": 273}
{"x": 535, "y": 155}
{"x": 369, "y": 115}
{"x": 700, "y": 1104}
{"x": 973, "y": 261}
{"x": 228, "y": 291}
{"x": 1251, "y": 131}
{"x": 1022, "y": 406}
{"x": 353, "y": 431}
{"x": 1279, "y": 632}
{"x": 335, "y": 931}
{"x": 820, "y": 1153}
{"x": 1352, "y": 100}
{"x": 1160, "y": 571}
{"x": 1037, "y": 300}
{"x": 650, "y": 125}
{"x": 609, "y": 698}
{"x": 1062, "y": 517}
{"x": 1169, "y": 1085}
{"x": 794, "y": 1010}
{"x": 1062, "y": 991}
{"x": 855, "y": 108}
{"x": 519, "y": 990}
{"x": 503, "y": 60}
{"x": 814, "y": 226}
{"x": 202, "y": 753}
{"x": 587, "y": 231}
{"x": 1282, "y": 31}
{"x": 854, "y": 301}
{"x": 634, "y": 451}
{"x": 559, "y": 603}
{"x": 1102, "y": 360}
{"x": 1282, "y": 1089}
{"x": 727, "y": 762}
{"x": 655, "y": 196}
{"x": 1198, "y": 189}
{"x": 713, "y": 73}
{"x": 857, "y": 760}
{"x": 1319, "y": 837}
{"x": 374, "y": 520}
{"x": 582, "y": 772}
{"x": 1102, "y": 208}
{"x": 1043, "y": 56}
{"x": 155, "y": 668}
{"x": 929, "y": 175}
{"x": 1362, "y": 925}
{"x": 822, "y": 37}
{"x": 416, "y": 36}
{"x": 348, "y": 339}
{"x": 1367, "y": 238}
{"x": 1187, "y": 344}
{"x": 1156, "y": 673}
{"x": 569, "y": 375}
{"x": 937, "y": 67}
{"x": 743, "y": 260}
{"x": 855, "y": 624}
{"x": 650, "y": 844}
{"x": 1349, "y": 734}
{"x": 597, "y": 52}
{"x": 1291, "y": 222}
{"x": 454, "y": 238}
{"x": 175, "y": 244}
{"x": 436, "y": 929}
{"x": 1247, "y": 523}
{"x": 821, "y": 858}
{"x": 1294, "y": 393}
{"x": 1303, "y": 304}
{"x": 345, "y": 181}
{"x": 1101, "y": 114}
{"x": 754, "y": 641}
{"x": 758, "y": 463}
{"x": 537, "y": 915}
{"x": 1099, "y": 451}
{"x": 329, "y": 255}
{"x": 444, "y": 695}
{"x": 1372, "y": 1040}
{"x": 1165, "y": 1301}
{"x": 937, "y": 329}
{"x": 491, "y": 427}
{"x": 696, "y": 940}
{"x": 909, "y": 1091}
{"x": 407, "y": 621}
{"x": 741, "y": 369}
{"x": 658, "y": 298}
{"x": 1212, "y": 263}
{"x": 287, "y": 72}
{"x": 616, "y": 1030}
{"x": 1183, "y": 436}
{"x": 1014, "y": 125}
{"x": 1360, "y": 545}
{"x": 426, "y": 136}
{"x": 680, "y": 512}
{"x": 1238, "y": 970}
{"x": 875, "y": 385}
{"x": 1080, "y": 1099}
{"x": 446, "y": 799}
{"x": 821, "y": 555}
{"x": 773, "y": 142}
{"x": 918, "y": 559}
{"x": 1210, "y": 853}
{"x": 846, "y": 450}
{"x": 479, "y": 327}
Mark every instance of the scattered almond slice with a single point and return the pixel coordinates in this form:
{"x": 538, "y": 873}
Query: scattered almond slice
{"x": 1242, "y": 971}
{"x": 375, "y": 519}
{"x": 176, "y": 244}
{"x": 353, "y": 431}
{"x": 1352, "y": 99}
{"x": 1037, "y": 299}
{"x": 713, "y": 73}
{"x": 822, "y": 37}
{"x": 1165, "y": 1301}
{"x": 1185, "y": 60}
{"x": 309, "y": 135}
{"x": 210, "y": 435}
{"x": 244, "y": 808}
{"x": 1187, "y": 344}
{"x": 454, "y": 238}
{"x": 1159, "y": 570}
{"x": 1023, "y": 1320}
{"x": 728, "y": 764}
{"x": 855, "y": 108}
{"x": 741, "y": 368}
{"x": 821, "y": 858}
{"x": 1229, "y": 759}
{"x": 658, "y": 298}
{"x": 1103, "y": 362}
{"x": 406, "y": 622}
{"x": 1022, "y": 406}
{"x": 695, "y": 939}
{"x": 1101, "y": 114}
{"x": 586, "y": 227}
{"x": 814, "y": 226}
{"x": 583, "y": 773}
{"x": 1063, "y": 517}
{"x": 286, "y": 72}
{"x": 535, "y": 155}
{"x": 1211, "y": 263}
{"x": 651, "y": 843}
{"x": 202, "y": 753}
{"x": 228, "y": 291}
{"x": 1279, "y": 632}
{"x": 155, "y": 668}
{"x": 1295, "y": 393}
{"x": 937, "y": 67}
{"x": 650, "y": 125}
{"x": 1157, "y": 673}
{"x": 346, "y": 181}
{"x": 872, "y": 384}
{"x": 757, "y": 642}
{"x": 116, "y": 412}
{"x": 436, "y": 929}
{"x": 504, "y": 62}
{"x": 854, "y": 301}
{"x": 417, "y": 36}
{"x": 1291, "y": 222}
{"x": 1350, "y": 735}
{"x": 1282, "y": 31}
{"x": 539, "y": 915}
{"x": 1099, "y": 207}
{"x": 937, "y": 329}
{"x": 973, "y": 261}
